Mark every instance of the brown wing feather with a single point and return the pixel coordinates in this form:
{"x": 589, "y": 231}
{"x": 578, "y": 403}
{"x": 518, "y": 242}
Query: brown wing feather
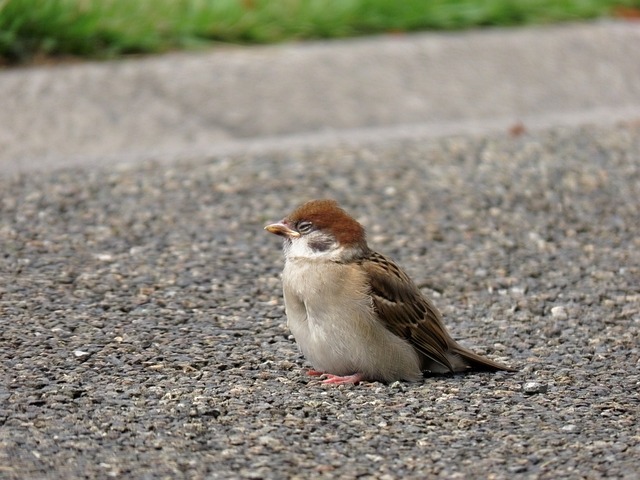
{"x": 405, "y": 311}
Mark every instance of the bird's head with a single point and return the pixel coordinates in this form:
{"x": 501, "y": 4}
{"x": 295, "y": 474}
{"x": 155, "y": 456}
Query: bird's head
{"x": 320, "y": 229}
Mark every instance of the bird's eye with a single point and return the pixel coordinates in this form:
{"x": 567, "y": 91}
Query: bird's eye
{"x": 305, "y": 227}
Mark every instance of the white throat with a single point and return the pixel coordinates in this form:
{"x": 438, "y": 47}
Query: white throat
{"x": 299, "y": 248}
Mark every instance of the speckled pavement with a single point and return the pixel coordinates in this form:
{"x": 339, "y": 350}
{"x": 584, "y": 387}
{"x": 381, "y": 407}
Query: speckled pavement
{"x": 142, "y": 329}
{"x": 143, "y": 332}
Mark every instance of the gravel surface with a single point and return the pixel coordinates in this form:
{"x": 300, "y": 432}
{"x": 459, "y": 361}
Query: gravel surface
{"x": 143, "y": 331}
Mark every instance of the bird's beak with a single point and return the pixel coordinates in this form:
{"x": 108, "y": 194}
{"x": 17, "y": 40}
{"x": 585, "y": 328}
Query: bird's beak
{"x": 282, "y": 229}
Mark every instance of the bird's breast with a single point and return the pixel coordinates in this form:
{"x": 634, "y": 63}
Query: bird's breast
{"x": 322, "y": 286}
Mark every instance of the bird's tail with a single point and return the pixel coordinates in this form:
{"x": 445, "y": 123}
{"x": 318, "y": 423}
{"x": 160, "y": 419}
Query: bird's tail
{"x": 463, "y": 359}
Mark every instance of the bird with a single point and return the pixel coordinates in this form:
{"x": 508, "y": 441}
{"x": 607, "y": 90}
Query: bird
{"x": 354, "y": 313}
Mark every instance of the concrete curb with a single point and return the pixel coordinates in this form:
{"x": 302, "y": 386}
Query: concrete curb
{"x": 186, "y": 105}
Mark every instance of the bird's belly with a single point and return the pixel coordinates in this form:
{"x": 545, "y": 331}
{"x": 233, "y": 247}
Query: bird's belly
{"x": 348, "y": 342}
{"x": 335, "y": 325}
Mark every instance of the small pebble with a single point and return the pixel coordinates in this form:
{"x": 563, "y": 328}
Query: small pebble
{"x": 559, "y": 312}
{"x": 531, "y": 388}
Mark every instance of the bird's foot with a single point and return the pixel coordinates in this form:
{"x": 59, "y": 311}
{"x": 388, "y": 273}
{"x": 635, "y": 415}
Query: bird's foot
{"x": 315, "y": 373}
{"x": 338, "y": 380}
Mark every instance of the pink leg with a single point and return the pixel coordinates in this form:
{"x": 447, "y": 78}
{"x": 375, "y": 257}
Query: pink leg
{"x": 315, "y": 373}
{"x": 338, "y": 380}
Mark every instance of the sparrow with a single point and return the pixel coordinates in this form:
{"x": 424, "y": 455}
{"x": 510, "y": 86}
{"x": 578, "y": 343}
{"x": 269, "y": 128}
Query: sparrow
{"x": 356, "y": 315}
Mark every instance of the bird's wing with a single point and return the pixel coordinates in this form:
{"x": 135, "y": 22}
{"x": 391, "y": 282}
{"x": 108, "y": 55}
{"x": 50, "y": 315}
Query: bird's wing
{"x": 405, "y": 311}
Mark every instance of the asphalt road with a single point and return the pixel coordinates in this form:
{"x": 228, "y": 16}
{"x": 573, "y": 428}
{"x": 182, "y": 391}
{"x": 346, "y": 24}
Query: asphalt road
{"x": 143, "y": 332}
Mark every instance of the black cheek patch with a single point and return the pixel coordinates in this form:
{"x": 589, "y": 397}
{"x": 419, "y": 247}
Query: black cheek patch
{"x": 320, "y": 244}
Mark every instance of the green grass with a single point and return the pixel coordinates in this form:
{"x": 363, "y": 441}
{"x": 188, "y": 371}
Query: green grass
{"x": 109, "y": 28}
